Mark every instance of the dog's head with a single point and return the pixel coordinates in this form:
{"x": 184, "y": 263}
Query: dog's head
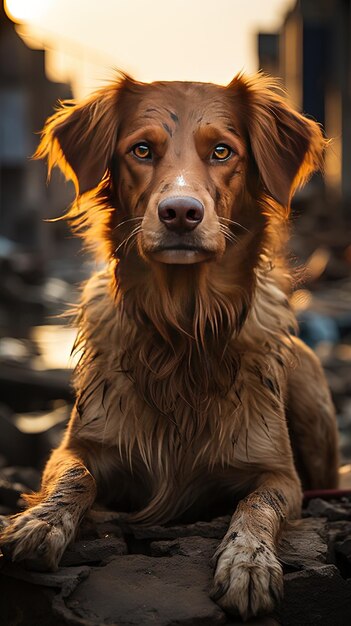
{"x": 180, "y": 168}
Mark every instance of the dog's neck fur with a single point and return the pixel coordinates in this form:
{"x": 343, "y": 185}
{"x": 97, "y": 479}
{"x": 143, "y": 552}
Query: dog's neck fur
{"x": 184, "y": 326}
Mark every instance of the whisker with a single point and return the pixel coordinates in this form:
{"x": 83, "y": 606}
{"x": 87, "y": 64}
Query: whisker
{"x": 228, "y": 234}
{"x": 131, "y": 242}
{"x": 125, "y": 241}
{"x": 227, "y": 219}
{"x": 131, "y": 219}
{"x": 231, "y": 241}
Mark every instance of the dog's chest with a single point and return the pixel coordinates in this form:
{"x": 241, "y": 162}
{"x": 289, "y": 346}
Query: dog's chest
{"x": 173, "y": 422}
{"x": 231, "y": 431}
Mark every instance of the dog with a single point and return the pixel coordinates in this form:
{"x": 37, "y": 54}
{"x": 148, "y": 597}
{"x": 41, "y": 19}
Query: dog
{"x": 193, "y": 391}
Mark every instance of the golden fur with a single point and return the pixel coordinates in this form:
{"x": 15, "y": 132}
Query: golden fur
{"x": 189, "y": 380}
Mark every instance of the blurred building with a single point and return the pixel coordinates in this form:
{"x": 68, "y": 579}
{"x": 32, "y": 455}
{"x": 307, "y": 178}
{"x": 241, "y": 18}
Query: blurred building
{"x": 312, "y": 53}
{"x": 27, "y": 98}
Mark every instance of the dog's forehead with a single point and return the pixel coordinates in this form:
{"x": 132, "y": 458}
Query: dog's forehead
{"x": 179, "y": 102}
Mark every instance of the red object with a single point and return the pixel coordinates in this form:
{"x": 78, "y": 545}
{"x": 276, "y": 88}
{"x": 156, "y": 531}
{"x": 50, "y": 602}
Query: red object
{"x": 326, "y": 494}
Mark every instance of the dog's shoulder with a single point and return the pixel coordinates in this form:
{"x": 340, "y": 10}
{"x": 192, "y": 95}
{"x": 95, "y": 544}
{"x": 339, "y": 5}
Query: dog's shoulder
{"x": 96, "y": 292}
{"x": 271, "y": 319}
{"x": 99, "y": 313}
{"x": 103, "y": 327}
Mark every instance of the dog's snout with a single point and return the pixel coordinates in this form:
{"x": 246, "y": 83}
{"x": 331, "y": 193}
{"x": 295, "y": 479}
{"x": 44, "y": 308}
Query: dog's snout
{"x": 181, "y": 214}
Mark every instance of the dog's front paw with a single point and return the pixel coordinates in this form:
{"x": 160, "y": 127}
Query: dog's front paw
{"x": 38, "y": 536}
{"x": 248, "y": 578}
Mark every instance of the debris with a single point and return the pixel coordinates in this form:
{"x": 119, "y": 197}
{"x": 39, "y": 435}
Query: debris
{"x": 162, "y": 575}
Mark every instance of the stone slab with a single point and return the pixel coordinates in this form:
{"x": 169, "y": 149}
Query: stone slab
{"x": 316, "y": 597}
{"x": 93, "y": 551}
{"x": 137, "y": 590}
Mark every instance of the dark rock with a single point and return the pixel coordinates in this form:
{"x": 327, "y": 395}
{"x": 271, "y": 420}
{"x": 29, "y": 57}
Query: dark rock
{"x": 215, "y": 529}
{"x": 186, "y": 546}
{"x": 344, "y": 548}
{"x": 36, "y": 597}
{"x": 338, "y": 531}
{"x": 66, "y": 578}
{"x": 100, "y": 524}
{"x": 316, "y": 597}
{"x": 342, "y": 552}
{"x": 330, "y": 510}
{"x": 304, "y": 545}
{"x": 23, "y": 604}
{"x": 256, "y": 621}
{"x": 134, "y": 590}
{"x": 93, "y": 551}
{"x": 10, "y": 494}
{"x": 27, "y": 476}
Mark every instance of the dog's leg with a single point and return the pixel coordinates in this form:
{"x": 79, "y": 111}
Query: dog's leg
{"x": 249, "y": 578}
{"x": 312, "y": 422}
{"x": 40, "y": 534}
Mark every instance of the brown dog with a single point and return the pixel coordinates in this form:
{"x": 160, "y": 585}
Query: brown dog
{"x": 189, "y": 381}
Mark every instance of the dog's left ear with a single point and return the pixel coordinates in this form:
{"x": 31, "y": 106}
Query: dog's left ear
{"x": 287, "y": 146}
{"x": 81, "y": 138}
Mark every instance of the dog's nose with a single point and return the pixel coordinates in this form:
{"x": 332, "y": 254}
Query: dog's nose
{"x": 181, "y": 214}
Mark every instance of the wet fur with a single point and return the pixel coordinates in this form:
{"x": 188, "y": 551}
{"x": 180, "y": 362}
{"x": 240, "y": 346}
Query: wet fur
{"x": 189, "y": 379}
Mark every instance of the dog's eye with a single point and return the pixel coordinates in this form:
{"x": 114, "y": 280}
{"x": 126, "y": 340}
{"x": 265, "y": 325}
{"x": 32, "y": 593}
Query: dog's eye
{"x": 221, "y": 152}
{"x": 142, "y": 151}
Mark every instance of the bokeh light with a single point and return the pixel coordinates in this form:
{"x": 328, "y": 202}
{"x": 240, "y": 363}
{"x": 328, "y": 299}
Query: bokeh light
{"x": 24, "y": 10}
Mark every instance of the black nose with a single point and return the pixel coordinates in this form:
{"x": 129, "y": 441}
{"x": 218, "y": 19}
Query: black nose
{"x": 181, "y": 213}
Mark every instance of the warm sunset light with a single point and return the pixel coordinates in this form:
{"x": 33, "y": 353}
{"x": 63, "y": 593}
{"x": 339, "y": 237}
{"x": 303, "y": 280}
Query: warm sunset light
{"x": 154, "y": 40}
{"x": 23, "y": 10}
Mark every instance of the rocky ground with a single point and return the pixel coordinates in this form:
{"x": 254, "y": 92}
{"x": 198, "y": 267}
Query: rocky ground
{"x": 115, "y": 574}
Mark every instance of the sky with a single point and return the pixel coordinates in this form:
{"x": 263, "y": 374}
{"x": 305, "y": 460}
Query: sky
{"x": 205, "y": 40}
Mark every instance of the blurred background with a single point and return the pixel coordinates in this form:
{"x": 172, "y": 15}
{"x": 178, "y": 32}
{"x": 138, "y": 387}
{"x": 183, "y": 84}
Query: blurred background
{"x": 57, "y": 49}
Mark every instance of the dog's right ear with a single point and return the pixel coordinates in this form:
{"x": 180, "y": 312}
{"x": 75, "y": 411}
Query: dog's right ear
{"x": 81, "y": 138}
